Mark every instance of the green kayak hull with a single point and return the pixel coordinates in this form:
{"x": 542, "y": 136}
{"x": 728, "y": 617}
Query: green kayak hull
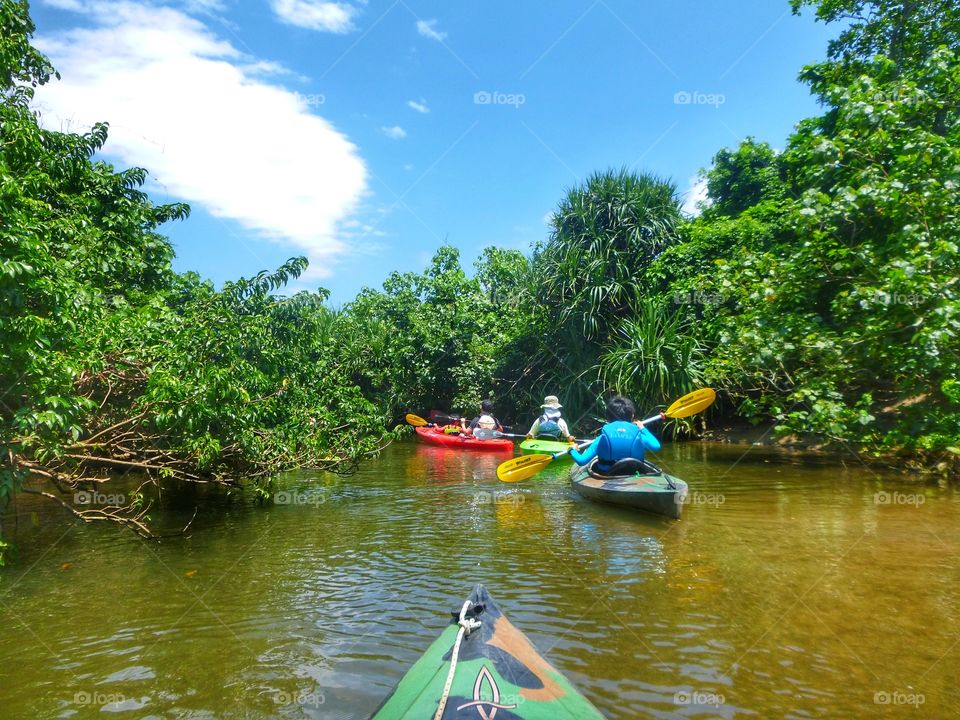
{"x": 498, "y": 675}
{"x": 655, "y": 492}
{"x": 536, "y": 445}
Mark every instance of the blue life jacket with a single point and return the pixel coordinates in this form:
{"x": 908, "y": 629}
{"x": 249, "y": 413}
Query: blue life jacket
{"x": 548, "y": 424}
{"x": 548, "y": 427}
{"x": 622, "y": 439}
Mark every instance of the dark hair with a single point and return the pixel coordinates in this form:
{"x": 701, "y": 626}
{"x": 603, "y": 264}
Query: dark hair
{"x": 620, "y": 408}
{"x": 487, "y": 406}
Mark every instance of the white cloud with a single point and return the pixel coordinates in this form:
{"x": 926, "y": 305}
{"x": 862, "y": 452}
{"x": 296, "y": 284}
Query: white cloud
{"x": 269, "y": 67}
{"x": 695, "y": 195}
{"x": 428, "y": 28}
{"x": 420, "y": 107}
{"x": 181, "y": 102}
{"x": 394, "y": 133}
{"x": 316, "y": 15}
{"x": 75, "y": 5}
{"x": 204, "y": 7}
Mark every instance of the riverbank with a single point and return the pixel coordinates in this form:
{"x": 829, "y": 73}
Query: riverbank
{"x": 762, "y": 438}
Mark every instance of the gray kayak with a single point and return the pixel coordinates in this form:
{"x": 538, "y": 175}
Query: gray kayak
{"x": 647, "y": 488}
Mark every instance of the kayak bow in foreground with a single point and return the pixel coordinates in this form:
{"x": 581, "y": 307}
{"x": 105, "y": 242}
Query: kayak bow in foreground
{"x": 497, "y": 673}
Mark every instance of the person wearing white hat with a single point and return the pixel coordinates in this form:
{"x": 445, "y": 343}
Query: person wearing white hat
{"x": 550, "y": 423}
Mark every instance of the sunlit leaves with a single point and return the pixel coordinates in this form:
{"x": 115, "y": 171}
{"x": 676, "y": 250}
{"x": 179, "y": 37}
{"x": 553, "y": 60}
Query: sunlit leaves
{"x": 605, "y": 233}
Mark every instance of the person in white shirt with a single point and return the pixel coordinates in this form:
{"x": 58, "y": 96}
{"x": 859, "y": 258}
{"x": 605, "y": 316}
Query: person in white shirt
{"x": 550, "y": 424}
{"x": 486, "y": 419}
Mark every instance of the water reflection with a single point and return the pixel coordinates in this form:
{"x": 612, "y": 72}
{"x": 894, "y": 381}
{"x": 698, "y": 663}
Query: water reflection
{"x": 788, "y": 589}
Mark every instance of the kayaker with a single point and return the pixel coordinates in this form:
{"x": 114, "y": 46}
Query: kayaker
{"x": 550, "y": 423}
{"x": 621, "y": 438}
{"x": 486, "y": 419}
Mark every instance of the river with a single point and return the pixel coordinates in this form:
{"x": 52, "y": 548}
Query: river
{"x": 789, "y": 589}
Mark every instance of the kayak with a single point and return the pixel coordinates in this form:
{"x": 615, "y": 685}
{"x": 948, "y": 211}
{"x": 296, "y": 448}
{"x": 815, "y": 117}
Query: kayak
{"x": 648, "y": 489}
{"x": 435, "y": 436}
{"x": 497, "y": 674}
{"x": 540, "y": 445}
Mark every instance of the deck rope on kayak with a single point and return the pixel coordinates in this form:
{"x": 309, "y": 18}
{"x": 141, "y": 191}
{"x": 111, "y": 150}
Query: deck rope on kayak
{"x": 467, "y": 626}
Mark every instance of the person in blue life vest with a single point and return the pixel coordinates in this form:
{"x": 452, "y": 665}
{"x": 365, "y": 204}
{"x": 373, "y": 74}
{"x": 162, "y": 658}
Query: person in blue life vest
{"x": 486, "y": 420}
{"x": 550, "y": 424}
{"x": 620, "y": 438}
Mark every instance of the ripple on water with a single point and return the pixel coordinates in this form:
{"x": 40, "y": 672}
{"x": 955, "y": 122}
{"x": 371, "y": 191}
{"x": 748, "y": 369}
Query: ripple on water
{"x": 316, "y": 609}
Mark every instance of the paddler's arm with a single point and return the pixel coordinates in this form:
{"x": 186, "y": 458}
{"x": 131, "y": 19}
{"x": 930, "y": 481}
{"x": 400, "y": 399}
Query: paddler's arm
{"x": 582, "y": 457}
{"x": 532, "y": 433}
{"x": 649, "y": 440}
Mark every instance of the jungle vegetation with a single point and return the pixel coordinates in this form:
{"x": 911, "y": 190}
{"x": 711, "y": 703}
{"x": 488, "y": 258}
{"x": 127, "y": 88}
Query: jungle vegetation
{"x": 817, "y": 290}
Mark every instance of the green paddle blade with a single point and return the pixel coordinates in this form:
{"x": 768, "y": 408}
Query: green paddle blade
{"x": 522, "y": 467}
{"x": 416, "y": 420}
{"x": 692, "y": 403}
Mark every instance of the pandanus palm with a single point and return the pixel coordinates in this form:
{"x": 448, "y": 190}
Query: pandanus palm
{"x": 605, "y": 233}
{"x": 656, "y": 353}
{"x": 590, "y": 274}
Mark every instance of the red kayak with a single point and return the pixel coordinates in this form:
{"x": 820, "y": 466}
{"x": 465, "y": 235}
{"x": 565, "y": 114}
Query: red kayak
{"x": 436, "y": 436}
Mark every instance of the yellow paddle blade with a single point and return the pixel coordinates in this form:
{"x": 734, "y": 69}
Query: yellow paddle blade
{"x": 691, "y": 403}
{"x": 522, "y": 467}
{"x": 416, "y": 420}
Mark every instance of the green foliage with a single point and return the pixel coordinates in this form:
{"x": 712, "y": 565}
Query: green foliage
{"x": 655, "y": 355}
{"x": 110, "y": 361}
{"x": 604, "y": 235}
{"x": 744, "y": 178}
{"x": 434, "y": 340}
{"x": 902, "y": 32}
{"x": 22, "y": 67}
{"x": 845, "y": 321}
{"x": 505, "y": 277}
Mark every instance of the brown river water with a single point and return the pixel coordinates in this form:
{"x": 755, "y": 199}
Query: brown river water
{"x": 790, "y": 589}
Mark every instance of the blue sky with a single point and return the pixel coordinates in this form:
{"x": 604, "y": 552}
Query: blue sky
{"x": 366, "y": 134}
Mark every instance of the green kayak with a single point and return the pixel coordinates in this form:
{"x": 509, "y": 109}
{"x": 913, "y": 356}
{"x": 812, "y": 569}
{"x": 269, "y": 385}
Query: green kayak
{"x": 646, "y": 488}
{"x": 538, "y": 445}
{"x": 497, "y": 674}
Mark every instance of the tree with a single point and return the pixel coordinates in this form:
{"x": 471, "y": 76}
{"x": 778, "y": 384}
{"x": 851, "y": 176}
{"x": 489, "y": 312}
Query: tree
{"x": 743, "y": 178}
{"x": 904, "y": 32}
{"x": 111, "y": 363}
{"x": 847, "y": 323}
{"x": 604, "y": 235}
{"x": 504, "y": 276}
